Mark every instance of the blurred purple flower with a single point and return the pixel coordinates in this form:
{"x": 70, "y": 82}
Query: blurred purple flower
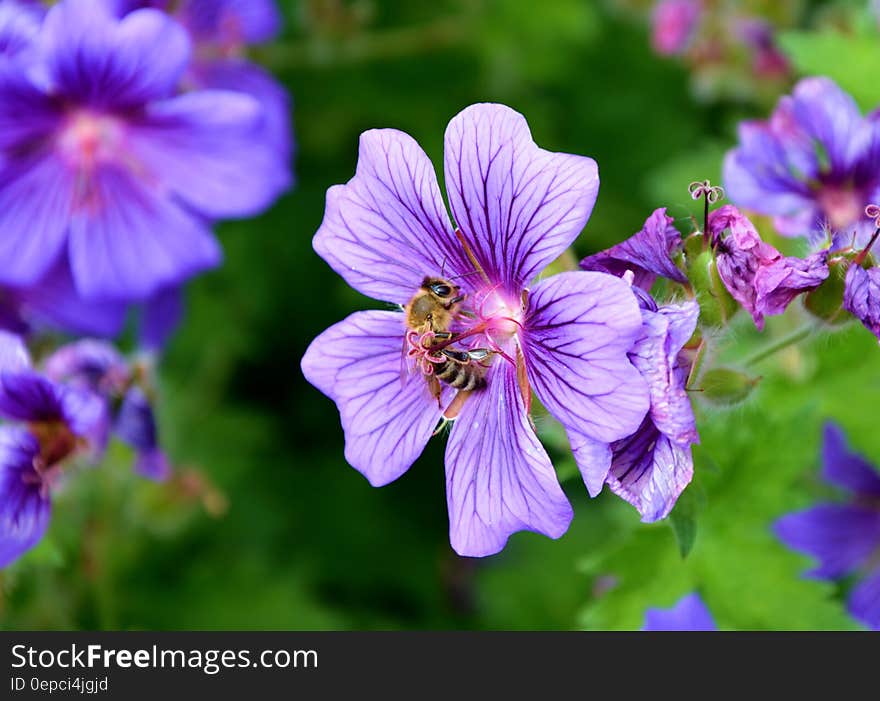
{"x": 813, "y": 165}
{"x": 844, "y": 538}
{"x": 49, "y": 423}
{"x": 674, "y": 24}
{"x": 758, "y": 276}
{"x": 652, "y": 467}
{"x": 97, "y": 367}
{"x": 690, "y": 613}
{"x": 647, "y": 253}
{"x": 518, "y": 207}
{"x": 767, "y": 60}
{"x": 99, "y": 161}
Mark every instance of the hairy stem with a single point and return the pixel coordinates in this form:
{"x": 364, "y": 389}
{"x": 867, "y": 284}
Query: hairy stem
{"x": 783, "y": 343}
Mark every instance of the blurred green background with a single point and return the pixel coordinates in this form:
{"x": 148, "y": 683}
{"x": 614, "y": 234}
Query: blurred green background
{"x": 266, "y": 527}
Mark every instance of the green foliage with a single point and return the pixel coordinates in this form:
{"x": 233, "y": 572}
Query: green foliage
{"x": 851, "y": 60}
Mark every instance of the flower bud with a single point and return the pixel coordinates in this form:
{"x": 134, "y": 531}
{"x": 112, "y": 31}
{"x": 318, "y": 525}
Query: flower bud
{"x": 826, "y": 301}
{"x": 716, "y": 304}
{"x": 726, "y": 386}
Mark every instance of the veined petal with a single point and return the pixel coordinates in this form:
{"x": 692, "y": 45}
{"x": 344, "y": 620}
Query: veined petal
{"x": 593, "y": 459}
{"x": 861, "y": 296}
{"x": 841, "y": 537}
{"x": 578, "y": 329}
{"x": 97, "y": 59}
{"x": 207, "y": 147}
{"x": 864, "y": 600}
{"x": 650, "y": 471}
{"x": 24, "y": 511}
{"x": 518, "y": 205}
{"x": 387, "y": 419}
{"x": 387, "y": 229}
{"x": 135, "y": 422}
{"x": 751, "y": 183}
{"x": 26, "y": 395}
{"x": 36, "y": 196}
{"x": 499, "y": 479}
{"x": 127, "y": 242}
{"x": 844, "y": 468}
{"x": 689, "y": 613}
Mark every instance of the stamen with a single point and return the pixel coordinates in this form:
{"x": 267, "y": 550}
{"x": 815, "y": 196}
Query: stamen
{"x": 470, "y": 254}
{"x": 872, "y": 211}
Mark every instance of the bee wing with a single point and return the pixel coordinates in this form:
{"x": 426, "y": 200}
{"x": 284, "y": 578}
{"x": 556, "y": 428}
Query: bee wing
{"x": 405, "y": 367}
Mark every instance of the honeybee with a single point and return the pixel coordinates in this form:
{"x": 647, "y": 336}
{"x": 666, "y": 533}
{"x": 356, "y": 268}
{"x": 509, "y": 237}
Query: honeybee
{"x": 431, "y": 311}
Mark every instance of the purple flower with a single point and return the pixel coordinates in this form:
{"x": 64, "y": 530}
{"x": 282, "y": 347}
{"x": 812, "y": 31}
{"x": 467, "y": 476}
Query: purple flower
{"x": 221, "y": 32}
{"x": 647, "y": 253}
{"x": 690, "y": 613}
{"x": 673, "y": 25}
{"x": 51, "y": 423}
{"x": 844, "y": 538}
{"x": 97, "y": 367}
{"x": 100, "y": 162}
{"x": 861, "y": 296}
{"x": 758, "y": 276}
{"x": 814, "y": 164}
{"x": 517, "y": 207}
{"x": 767, "y": 60}
{"x": 651, "y": 468}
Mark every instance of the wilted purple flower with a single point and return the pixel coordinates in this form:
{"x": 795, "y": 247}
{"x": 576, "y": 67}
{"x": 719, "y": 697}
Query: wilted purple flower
{"x": 758, "y": 276}
{"x": 651, "y": 468}
{"x": 861, "y": 296}
{"x": 814, "y": 164}
{"x": 844, "y": 538}
{"x": 98, "y": 367}
{"x": 673, "y": 25}
{"x": 690, "y": 613}
{"x": 517, "y": 207}
{"x": 52, "y": 423}
{"x": 647, "y": 253}
{"x": 101, "y": 163}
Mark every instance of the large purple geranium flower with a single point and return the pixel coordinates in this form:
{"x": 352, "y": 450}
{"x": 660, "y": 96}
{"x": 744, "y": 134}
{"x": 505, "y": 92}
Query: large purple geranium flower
{"x": 814, "y": 164}
{"x": 844, "y": 538}
{"x": 689, "y": 613}
{"x": 50, "y": 423}
{"x": 517, "y": 207}
{"x": 100, "y": 162}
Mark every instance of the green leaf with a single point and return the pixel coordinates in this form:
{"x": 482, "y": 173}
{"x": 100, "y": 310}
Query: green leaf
{"x": 850, "y": 60}
{"x": 683, "y": 519}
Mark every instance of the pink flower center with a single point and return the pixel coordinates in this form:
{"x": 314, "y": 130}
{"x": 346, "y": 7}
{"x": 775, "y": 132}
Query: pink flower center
{"x": 503, "y": 317}
{"x": 842, "y": 205}
{"x": 88, "y": 138}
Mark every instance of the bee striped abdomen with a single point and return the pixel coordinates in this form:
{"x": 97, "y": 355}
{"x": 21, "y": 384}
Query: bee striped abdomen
{"x": 460, "y": 375}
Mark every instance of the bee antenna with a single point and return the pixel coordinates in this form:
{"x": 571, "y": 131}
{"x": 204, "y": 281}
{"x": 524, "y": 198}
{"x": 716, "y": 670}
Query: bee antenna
{"x": 456, "y": 277}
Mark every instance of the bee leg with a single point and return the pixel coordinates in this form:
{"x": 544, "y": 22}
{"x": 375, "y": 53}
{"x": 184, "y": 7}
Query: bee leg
{"x": 455, "y": 405}
{"x": 436, "y": 389}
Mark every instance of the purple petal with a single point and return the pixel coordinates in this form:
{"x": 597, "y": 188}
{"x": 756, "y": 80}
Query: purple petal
{"x": 27, "y": 115}
{"x": 14, "y": 356}
{"x": 243, "y": 76}
{"x": 19, "y": 27}
{"x": 778, "y": 283}
{"x": 593, "y": 459}
{"x": 830, "y": 116}
{"x": 673, "y": 25}
{"x": 35, "y": 204}
{"x": 95, "y": 59}
{"x": 844, "y": 468}
{"x": 578, "y": 329}
{"x": 26, "y": 395}
{"x": 55, "y": 302}
{"x": 24, "y": 511}
{"x": 135, "y": 422}
{"x": 499, "y": 479}
{"x": 864, "y": 600}
{"x": 861, "y": 296}
{"x": 153, "y": 464}
{"x": 647, "y": 253}
{"x": 206, "y": 146}
{"x": 518, "y": 205}
{"x": 387, "y": 417}
{"x": 132, "y": 242}
{"x": 690, "y": 613}
{"x": 160, "y": 317}
{"x": 650, "y": 471}
{"x": 840, "y": 537}
{"x": 231, "y": 22}
{"x": 387, "y": 229}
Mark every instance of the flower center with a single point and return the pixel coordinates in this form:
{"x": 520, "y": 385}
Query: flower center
{"x": 502, "y": 316}
{"x": 842, "y": 205}
{"x": 88, "y": 138}
{"x": 56, "y": 440}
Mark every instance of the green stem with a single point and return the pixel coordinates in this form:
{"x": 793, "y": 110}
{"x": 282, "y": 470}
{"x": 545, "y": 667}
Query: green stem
{"x": 781, "y": 344}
